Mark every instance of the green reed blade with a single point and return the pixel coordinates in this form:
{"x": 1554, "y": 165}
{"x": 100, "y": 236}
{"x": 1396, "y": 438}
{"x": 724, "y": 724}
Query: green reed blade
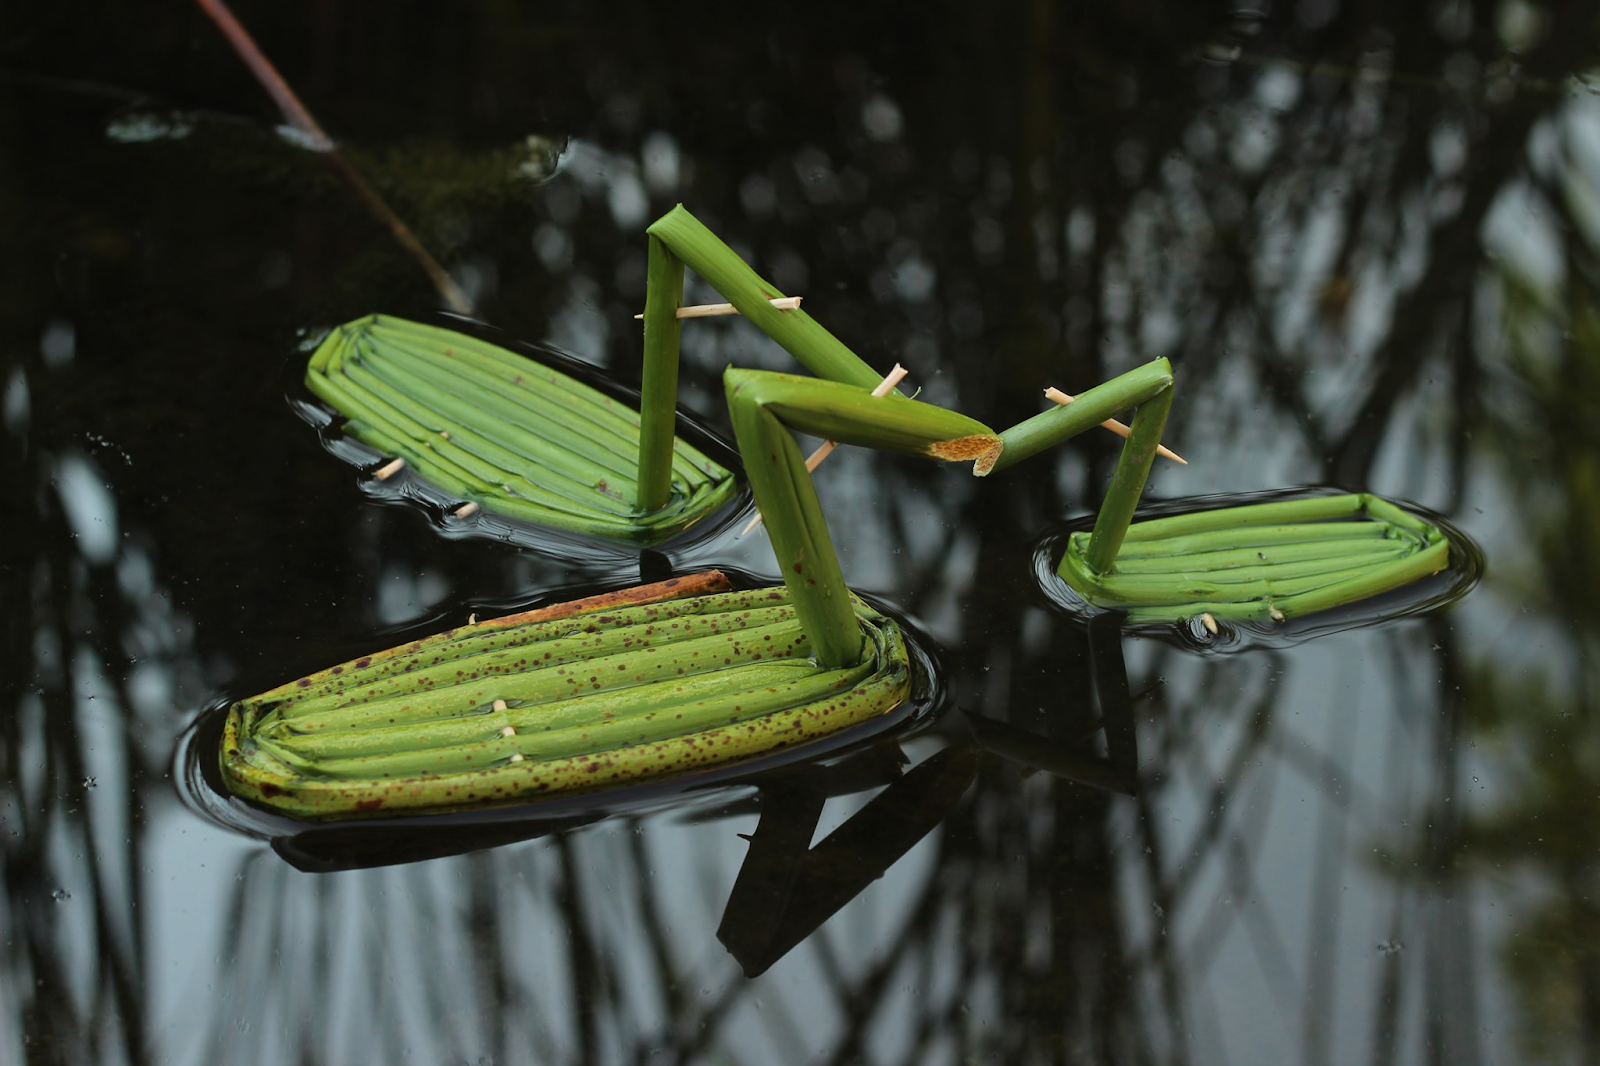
{"x": 1274, "y": 513}
{"x": 1049, "y": 428}
{"x": 560, "y": 719}
{"x": 522, "y": 420}
{"x": 638, "y": 666}
{"x": 1127, "y": 480}
{"x": 562, "y": 655}
{"x": 1367, "y": 583}
{"x": 1373, "y": 548}
{"x": 850, "y": 414}
{"x": 1255, "y": 536}
{"x": 658, "y": 402}
{"x": 374, "y": 425}
{"x": 528, "y": 460}
{"x": 648, "y": 717}
{"x": 1266, "y": 575}
{"x": 568, "y": 637}
{"x": 800, "y": 539}
{"x": 764, "y": 407}
{"x": 1269, "y": 584}
{"x": 518, "y": 377}
{"x": 1371, "y": 581}
{"x": 561, "y": 492}
{"x": 797, "y": 332}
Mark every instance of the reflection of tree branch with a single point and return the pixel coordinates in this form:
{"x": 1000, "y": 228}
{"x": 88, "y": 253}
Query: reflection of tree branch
{"x": 1454, "y": 252}
{"x": 301, "y": 119}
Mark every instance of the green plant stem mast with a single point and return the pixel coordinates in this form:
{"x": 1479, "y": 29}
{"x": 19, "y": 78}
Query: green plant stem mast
{"x": 765, "y": 407}
{"x": 802, "y": 336}
{"x": 658, "y": 411}
{"x": 1127, "y": 480}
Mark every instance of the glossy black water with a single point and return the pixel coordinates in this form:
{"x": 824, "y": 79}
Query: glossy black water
{"x": 1364, "y": 236}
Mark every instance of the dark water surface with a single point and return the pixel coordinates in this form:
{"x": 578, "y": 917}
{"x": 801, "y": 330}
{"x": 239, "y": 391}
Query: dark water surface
{"x": 1370, "y": 245}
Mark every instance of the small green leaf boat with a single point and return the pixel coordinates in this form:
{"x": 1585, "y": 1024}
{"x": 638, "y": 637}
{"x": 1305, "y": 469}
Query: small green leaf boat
{"x": 656, "y": 681}
{"x": 1259, "y": 562}
{"x": 518, "y": 438}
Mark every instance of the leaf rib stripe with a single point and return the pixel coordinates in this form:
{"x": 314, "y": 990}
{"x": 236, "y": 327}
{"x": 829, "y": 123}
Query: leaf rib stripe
{"x": 1276, "y": 512}
{"x": 516, "y": 407}
{"x": 506, "y": 675}
{"x": 430, "y": 447}
{"x": 607, "y": 630}
{"x": 1273, "y": 555}
{"x": 513, "y": 378}
{"x": 658, "y": 717}
{"x": 561, "y": 473}
{"x": 1255, "y": 537}
{"x": 539, "y": 718}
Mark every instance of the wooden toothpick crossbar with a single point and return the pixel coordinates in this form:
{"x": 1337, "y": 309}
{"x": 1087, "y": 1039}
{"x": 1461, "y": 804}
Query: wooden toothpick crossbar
{"x": 1057, "y": 396}
{"x": 890, "y": 380}
{"x": 782, "y": 303}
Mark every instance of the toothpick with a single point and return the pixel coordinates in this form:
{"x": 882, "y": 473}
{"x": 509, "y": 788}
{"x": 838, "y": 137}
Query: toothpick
{"x": 1057, "y": 396}
{"x": 782, "y": 303}
{"x": 390, "y": 469}
{"x": 890, "y": 380}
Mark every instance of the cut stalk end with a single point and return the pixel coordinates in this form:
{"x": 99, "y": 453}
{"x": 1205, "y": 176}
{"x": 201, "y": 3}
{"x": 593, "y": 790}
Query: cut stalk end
{"x": 983, "y": 449}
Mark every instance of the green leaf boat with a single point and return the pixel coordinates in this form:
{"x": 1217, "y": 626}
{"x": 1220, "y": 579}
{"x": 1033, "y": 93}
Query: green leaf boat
{"x": 516, "y": 437}
{"x": 1259, "y": 562}
{"x": 656, "y": 681}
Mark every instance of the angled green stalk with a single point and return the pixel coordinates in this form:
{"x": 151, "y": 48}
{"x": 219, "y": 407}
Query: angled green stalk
{"x": 1127, "y": 480}
{"x": 1049, "y": 428}
{"x": 817, "y": 349}
{"x": 1149, "y": 390}
{"x": 765, "y": 407}
{"x": 658, "y": 403}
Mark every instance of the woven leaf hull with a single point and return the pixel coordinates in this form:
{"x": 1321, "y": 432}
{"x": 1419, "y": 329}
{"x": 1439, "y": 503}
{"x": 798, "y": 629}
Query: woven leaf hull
{"x": 1262, "y": 562}
{"x": 519, "y": 438}
{"x": 648, "y": 683}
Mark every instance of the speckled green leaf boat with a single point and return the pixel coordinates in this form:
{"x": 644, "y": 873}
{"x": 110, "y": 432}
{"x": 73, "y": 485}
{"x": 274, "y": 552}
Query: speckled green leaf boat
{"x": 516, "y": 437}
{"x": 650, "y": 682}
{"x": 1264, "y": 562}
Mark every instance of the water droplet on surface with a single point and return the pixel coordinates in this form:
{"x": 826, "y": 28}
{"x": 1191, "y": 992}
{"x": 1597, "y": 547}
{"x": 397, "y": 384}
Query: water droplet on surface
{"x": 61, "y": 895}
